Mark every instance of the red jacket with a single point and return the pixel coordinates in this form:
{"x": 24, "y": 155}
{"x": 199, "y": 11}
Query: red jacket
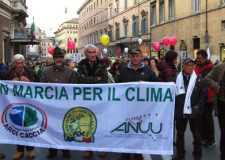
{"x": 203, "y": 70}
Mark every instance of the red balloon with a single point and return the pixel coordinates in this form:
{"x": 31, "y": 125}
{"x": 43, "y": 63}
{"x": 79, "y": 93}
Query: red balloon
{"x": 71, "y": 45}
{"x": 50, "y": 50}
{"x": 166, "y": 41}
{"x": 173, "y": 41}
{"x": 156, "y": 46}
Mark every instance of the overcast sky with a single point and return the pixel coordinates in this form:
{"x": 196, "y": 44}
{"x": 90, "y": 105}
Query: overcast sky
{"x": 49, "y": 14}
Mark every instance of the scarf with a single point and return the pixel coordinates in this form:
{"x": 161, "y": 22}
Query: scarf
{"x": 181, "y": 90}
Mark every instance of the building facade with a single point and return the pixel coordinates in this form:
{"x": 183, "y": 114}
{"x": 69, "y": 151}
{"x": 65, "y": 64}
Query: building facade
{"x": 93, "y": 23}
{"x": 45, "y": 43}
{"x": 129, "y": 20}
{"x": 13, "y": 34}
{"x": 66, "y": 32}
{"x": 197, "y": 24}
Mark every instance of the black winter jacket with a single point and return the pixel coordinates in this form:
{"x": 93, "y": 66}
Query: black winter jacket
{"x": 89, "y": 75}
{"x": 198, "y": 99}
{"x": 143, "y": 73}
{"x": 29, "y": 73}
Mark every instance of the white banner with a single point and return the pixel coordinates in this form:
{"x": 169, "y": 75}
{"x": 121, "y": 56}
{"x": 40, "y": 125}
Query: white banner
{"x": 128, "y": 118}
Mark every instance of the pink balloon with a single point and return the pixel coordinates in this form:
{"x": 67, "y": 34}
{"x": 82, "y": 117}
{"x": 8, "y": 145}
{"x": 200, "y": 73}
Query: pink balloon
{"x": 156, "y": 46}
{"x": 50, "y": 50}
{"x": 71, "y": 45}
{"x": 173, "y": 41}
{"x": 166, "y": 41}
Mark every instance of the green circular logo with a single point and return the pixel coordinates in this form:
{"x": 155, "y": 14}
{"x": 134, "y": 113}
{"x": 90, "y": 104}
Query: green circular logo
{"x": 79, "y": 125}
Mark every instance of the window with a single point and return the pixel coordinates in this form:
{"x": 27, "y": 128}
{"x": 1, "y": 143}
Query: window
{"x": 125, "y": 30}
{"x": 110, "y": 34}
{"x": 223, "y": 1}
{"x": 117, "y": 32}
{"x": 101, "y": 17}
{"x": 110, "y": 11}
{"x": 161, "y": 12}
{"x": 97, "y": 3}
{"x": 75, "y": 40}
{"x": 101, "y": 33}
{"x": 125, "y": 5}
{"x": 171, "y": 9}
{"x": 196, "y": 5}
{"x": 135, "y": 2}
{"x": 97, "y": 18}
{"x": 117, "y": 7}
{"x": 106, "y": 14}
{"x": 153, "y": 17}
{"x": 144, "y": 26}
{"x": 223, "y": 25}
{"x": 94, "y": 20}
{"x": 134, "y": 28}
{"x": 106, "y": 31}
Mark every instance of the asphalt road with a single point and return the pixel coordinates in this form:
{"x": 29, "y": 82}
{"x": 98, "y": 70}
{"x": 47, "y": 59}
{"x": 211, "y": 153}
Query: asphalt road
{"x": 41, "y": 153}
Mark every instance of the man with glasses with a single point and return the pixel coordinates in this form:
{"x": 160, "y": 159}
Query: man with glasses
{"x": 204, "y": 66}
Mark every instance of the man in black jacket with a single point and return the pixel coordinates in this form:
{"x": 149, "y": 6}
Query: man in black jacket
{"x": 21, "y": 73}
{"x": 92, "y": 70}
{"x": 191, "y": 97}
{"x": 136, "y": 71}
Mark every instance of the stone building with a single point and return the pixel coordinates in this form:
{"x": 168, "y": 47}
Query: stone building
{"x": 66, "y": 32}
{"x": 13, "y": 34}
{"x": 197, "y": 24}
{"x": 93, "y": 23}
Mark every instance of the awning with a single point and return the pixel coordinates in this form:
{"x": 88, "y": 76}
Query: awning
{"x": 25, "y": 41}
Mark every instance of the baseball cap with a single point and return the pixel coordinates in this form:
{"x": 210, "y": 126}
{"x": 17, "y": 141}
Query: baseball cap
{"x": 135, "y": 51}
{"x": 186, "y": 60}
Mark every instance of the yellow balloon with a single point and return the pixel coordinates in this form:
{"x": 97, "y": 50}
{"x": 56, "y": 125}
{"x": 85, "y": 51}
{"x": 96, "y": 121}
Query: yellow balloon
{"x": 105, "y": 39}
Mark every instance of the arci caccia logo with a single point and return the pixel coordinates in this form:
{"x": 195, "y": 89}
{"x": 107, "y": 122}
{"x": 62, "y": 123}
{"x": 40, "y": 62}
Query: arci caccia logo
{"x": 24, "y": 120}
{"x": 79, "y": 125}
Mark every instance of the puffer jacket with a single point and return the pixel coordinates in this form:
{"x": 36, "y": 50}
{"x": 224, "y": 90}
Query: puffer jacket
{"x": 167, "y": 71}
{"x": 89, "y": 75}
{"x": 203, "y": 70}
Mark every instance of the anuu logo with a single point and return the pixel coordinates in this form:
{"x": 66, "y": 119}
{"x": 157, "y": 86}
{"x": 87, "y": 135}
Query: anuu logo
{"x": 128, "y": 127}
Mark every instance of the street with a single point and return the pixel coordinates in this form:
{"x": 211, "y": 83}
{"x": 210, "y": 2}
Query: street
{"x": 208, "y": 153}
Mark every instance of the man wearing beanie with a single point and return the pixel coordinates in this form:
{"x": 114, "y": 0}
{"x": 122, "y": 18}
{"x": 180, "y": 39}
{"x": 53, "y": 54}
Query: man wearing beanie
{"x": 59, "y": 73}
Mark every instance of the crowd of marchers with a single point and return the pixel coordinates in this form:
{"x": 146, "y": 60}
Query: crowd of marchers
{"x": 200, "y": 90}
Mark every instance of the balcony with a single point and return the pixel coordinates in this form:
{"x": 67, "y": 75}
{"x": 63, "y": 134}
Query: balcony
{"x": 19, "y": 7}
{"x": 6, "y": 2}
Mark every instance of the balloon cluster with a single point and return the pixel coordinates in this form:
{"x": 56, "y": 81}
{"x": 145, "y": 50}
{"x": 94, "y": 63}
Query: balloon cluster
{"x": 71, "y": 46}
{"x": 166, "y": 41}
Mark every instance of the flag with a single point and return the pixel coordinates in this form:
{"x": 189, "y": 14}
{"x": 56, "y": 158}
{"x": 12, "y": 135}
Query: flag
{"x": 33, "y": 30}
{"x": 208, "y": 52}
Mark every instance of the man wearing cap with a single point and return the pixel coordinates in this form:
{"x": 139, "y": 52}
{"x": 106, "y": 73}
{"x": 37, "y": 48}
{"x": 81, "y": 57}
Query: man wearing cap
{"x": 191, "y": 96}
{"x": 136, "y": 71}
{"x": 59, "y": 73}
